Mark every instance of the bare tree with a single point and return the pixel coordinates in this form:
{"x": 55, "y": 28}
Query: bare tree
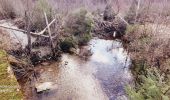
{"x": 27, "y": 19}
{"x": 137, "y": 9}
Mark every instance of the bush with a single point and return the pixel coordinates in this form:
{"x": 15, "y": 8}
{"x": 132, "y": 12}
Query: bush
{"x": 67, "y": 44}
{"x": 150, "y": 63}
{"x": 38, "y": 22}
{"x": 8, "y": 8}
{"x": 84, "y": 39}
{"x": 79, "y": 24}
{"x": 109, "y": 14}
{"x": 148, "y": 89}
{"x": 131, "y": 14}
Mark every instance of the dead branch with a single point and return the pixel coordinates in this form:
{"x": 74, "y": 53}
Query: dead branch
{"x": 123, "y": 19}
{"x": 118, "y": 7}
{"x": 40, "y": 33}
{"x": 32, "y": 33}
{"x": 137, "y": 10}
{"x": 20, "y": 30}
{"x": 49, "y": 32}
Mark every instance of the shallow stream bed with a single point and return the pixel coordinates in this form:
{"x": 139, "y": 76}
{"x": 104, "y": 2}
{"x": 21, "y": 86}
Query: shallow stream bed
{"x": 103, "y": 76}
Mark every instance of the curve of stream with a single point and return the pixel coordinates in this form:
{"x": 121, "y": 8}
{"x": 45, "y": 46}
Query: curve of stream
{"x": 103, "y": 76}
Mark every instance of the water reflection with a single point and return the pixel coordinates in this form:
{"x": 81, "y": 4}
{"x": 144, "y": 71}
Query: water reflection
{"x": 102, "y": 77}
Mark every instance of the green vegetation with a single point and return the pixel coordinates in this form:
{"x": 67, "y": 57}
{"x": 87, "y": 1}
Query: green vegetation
{"x": 8, "y": 85}
{"x": 78, "y": 24}
{"x": 149, "y": 65}
{"x": 149, "y": 86}
{"x": 67, "y": 44}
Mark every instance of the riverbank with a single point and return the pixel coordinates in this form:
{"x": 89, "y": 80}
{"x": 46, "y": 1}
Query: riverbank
{"x": 101, "y": 76}
{"x": 150, "y": 63}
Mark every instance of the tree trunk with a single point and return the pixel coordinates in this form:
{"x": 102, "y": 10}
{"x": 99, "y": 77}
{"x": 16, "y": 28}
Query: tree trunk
{"x": 29, "y": 47}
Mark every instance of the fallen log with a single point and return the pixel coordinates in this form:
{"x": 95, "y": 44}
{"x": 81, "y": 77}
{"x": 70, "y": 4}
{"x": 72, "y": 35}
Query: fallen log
{"x": 32, "y": 33}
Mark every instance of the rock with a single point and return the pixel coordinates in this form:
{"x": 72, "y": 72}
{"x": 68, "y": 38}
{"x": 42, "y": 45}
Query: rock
{"x": 40, "y": 87}
{"x": 73, "y": 50}
{"x": 85, "y": 52}
{"x": 45, "y": 63}
{"x": 10, "y": 72}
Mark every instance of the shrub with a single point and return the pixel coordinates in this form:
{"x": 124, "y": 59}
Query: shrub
{"x": 148, "y": 89}
{"x": 8, "y": 8}
{"x": 84, "y": 39}
{"x": 109, "y": 14}
{"x": 79, "y": 24}
{"x": 149, "y": 63}
{"x": 67, "y": 44}
{"x": 131, "y": 14}
{"x": 38, "y": 22}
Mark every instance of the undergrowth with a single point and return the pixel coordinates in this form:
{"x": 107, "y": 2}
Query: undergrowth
{"x": 150, "y": 64}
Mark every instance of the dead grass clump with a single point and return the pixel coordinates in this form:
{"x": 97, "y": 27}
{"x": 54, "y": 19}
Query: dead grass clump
{"x": 11, "y": 9}
{"x": 5, "y": 43}
{"x": 143, "y": 44}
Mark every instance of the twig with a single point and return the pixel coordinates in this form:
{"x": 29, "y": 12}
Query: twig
{"x": 123, "y": 19}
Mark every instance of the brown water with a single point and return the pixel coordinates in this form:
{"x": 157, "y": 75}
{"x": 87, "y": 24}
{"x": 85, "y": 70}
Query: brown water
{"x": 101, "y": 77}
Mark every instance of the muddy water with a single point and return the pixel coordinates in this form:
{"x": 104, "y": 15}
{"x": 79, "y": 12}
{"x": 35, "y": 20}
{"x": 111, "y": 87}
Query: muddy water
{"x": 103, "y": 76}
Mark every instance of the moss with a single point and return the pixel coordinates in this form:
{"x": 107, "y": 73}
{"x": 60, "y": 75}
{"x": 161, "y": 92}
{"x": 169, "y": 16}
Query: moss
{"x": 8, "y": 86}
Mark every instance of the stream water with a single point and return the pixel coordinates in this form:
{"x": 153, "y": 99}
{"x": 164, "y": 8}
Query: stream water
{"x": 103, "y": 76}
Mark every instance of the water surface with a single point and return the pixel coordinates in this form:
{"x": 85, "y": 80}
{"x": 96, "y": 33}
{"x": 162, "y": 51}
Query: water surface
{"x": 103, "y": 76}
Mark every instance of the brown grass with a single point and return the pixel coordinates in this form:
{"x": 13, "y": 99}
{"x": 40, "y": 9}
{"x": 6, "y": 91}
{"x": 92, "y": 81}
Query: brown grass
{"x": 4, "y": 40}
